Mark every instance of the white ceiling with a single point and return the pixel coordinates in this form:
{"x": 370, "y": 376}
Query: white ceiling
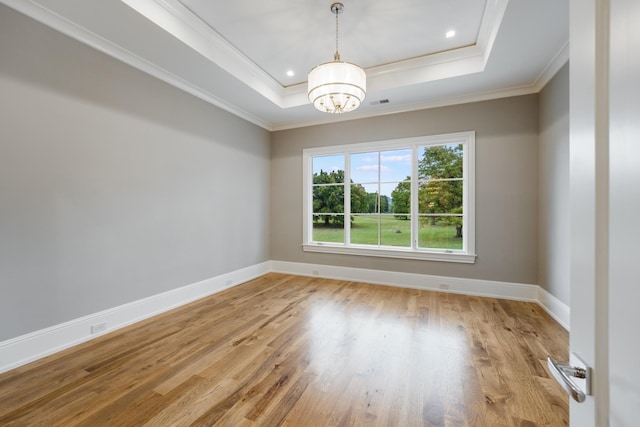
{"x": 235, "y": 54}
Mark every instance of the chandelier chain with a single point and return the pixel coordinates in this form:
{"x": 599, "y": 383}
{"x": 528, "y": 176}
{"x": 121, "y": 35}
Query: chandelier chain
{"x": 336, "y": 56}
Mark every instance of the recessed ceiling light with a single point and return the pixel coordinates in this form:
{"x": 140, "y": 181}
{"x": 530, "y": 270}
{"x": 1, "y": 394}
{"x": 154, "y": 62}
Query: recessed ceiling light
{"x": 450, "y": 34}
{"x": 290, "y": 73}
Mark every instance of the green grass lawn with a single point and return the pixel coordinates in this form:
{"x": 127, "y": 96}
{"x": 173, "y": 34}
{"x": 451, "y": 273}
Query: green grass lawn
{"x": 393, "y": 232}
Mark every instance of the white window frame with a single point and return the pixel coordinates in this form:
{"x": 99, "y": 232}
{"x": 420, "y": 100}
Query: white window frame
{"x": 465, "y": 255}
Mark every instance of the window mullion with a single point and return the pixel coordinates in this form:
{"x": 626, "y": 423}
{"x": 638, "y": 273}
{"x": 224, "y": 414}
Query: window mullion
{"x": 347, "y": 199}
{"x": 378, "y": 201}
{"x": 414, "y": 198}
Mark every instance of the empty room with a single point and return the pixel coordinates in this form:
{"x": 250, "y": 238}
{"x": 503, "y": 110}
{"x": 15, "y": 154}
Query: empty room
{"x": 319, "y": 213}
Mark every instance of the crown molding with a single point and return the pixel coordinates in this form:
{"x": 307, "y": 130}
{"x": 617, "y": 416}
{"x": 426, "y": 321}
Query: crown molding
{"x": 493, "y": 15}
{"x": 176, "y": 19}
{"x": 557, "y": 62}
{"x": 437, "y": 103}
{"x": 195, "y": 33}
{"x": 57, "y": 22}
{"x": 182, "y": 23}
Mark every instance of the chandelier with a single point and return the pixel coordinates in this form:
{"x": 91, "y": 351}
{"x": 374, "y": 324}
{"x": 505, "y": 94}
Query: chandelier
{"x": 337, "y": 87}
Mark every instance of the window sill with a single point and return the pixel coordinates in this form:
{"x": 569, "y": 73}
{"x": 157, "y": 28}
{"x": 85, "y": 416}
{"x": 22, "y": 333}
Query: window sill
{"x": 404, "y": 253}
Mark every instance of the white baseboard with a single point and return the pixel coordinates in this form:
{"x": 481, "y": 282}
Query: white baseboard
{"x": 556, "y": 308}
{"x": 27, "y": 348}
{"x": 486, "y": 288}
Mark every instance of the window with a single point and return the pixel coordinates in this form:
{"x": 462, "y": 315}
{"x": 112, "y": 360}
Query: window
{"x": 410, "y": 198}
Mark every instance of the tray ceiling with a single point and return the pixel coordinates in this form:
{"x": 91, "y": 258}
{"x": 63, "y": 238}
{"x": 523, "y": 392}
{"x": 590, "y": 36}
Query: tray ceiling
{"x": 236, "y": 55}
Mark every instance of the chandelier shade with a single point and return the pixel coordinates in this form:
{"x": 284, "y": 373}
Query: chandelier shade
{"x": 337, "y": 87}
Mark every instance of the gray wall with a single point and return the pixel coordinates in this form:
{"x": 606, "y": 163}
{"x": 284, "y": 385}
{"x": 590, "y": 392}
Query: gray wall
{"x": 553, "y": 258}
{"x": 506, "y": 186}
{"x": 113, "y": 185}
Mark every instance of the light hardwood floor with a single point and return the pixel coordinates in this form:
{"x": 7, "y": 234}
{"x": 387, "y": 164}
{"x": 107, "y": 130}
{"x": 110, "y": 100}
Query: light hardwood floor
{"x": 300, "y": 351}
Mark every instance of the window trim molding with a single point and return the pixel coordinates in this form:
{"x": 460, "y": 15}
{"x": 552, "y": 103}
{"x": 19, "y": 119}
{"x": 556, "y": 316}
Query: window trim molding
{"x": 466, "y": 255}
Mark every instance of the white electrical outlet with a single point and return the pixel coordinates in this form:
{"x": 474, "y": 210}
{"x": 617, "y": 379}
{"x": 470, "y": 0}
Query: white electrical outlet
{"x": 444, "y": 286}
{"x": 98, "y": 327}
{"x": 315, "y": 272}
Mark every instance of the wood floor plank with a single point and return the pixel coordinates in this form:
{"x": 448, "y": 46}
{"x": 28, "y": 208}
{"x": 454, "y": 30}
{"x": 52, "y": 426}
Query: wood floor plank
{"x": 285, "y": 350}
